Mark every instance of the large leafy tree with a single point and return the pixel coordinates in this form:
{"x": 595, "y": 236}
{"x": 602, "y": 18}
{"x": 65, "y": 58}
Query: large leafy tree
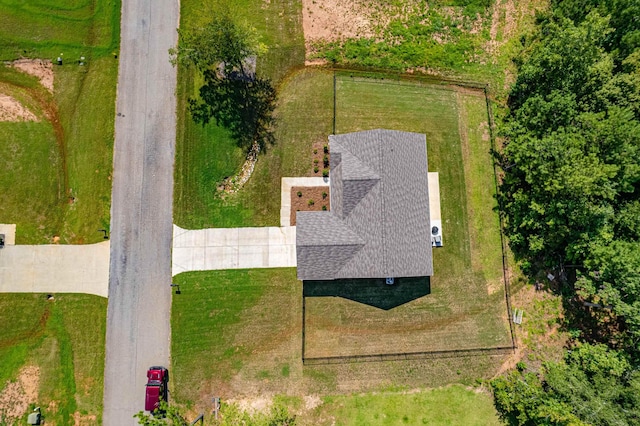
{"x": 232, "y": 94}
{"x": 219, "y": 41}
{"x": 592, "y": 386}
{"x": 571, "y": 159}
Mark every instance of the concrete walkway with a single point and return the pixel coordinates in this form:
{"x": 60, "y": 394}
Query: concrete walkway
{"x": 285, "y": 193}
{"x": 55, "y": 269}
{"x": 233, "y": 248}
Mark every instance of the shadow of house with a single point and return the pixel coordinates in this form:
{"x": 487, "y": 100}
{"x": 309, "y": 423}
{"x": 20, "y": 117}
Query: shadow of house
{"x": 371, "y": 291}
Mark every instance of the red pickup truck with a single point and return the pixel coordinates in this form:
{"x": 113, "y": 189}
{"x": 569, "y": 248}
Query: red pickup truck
{"x": 156, "y": 389}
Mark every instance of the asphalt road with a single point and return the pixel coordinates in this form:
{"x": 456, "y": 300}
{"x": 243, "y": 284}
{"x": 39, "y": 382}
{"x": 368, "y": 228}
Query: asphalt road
{"x": 138, "y": 329}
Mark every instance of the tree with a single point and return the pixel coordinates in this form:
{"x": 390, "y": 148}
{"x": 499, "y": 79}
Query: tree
{"x": 166, "y": 415}
{"x": 231, "y": 94}
{"x": 593, "y": 386}
{"x": 219, "y": 41}
{"x": 614, "y": 283}
{"x": 245, "y": 107}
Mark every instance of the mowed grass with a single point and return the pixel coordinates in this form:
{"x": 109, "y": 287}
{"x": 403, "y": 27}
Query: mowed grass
{"x": 223, "y": 321}
{"x": 205, "y": 155}
{"x": 466, "y": 308}
{"x": 70, "y": 358}
{"x": 453, "y": 405}
{"x": 238, "y": 334}
{"x": 45, "y": 29}
{"x": 60, "y": 166}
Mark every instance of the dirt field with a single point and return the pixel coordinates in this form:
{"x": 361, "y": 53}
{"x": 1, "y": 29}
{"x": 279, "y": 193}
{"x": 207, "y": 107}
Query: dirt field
{"x": 336, "y": 19}
{"x": 16, "y": 396}
{"x": 12, "y": 110}
{"x": 37, "y": 68}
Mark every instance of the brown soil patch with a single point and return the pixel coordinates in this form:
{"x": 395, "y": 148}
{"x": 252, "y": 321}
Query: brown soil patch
{"x": 83, "y": 420}
{"x": 16, "y": 396}
{"x": 12, "y": 110}
{"x": 37, "y": 68}
{"x": 317, "y": 159}
{"x": 308, "y": 194}
{"x": 333, "y": 20}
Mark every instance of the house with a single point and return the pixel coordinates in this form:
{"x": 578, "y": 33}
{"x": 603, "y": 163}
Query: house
{"x": 379, "y": 224}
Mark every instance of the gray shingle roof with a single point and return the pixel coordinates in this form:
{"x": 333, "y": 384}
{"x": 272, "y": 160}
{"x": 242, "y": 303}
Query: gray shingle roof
{"x": 378, "y": 225}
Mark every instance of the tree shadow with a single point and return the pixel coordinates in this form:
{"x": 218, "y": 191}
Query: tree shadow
{"x": 371, "y": 291}
{"x": 241, "y": 103}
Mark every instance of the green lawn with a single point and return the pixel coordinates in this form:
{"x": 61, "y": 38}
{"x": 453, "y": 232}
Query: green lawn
{"x": 70, "y": 358}
{"x": 465, "y": 308}
{"x": 45, "y": 29}
{"x": 60, "y": 167}
{"x": 453, "y": 405}
{"x": 205, "y": 155}
{"x": 227, "y": 322}
{"x": 240, "y": 332}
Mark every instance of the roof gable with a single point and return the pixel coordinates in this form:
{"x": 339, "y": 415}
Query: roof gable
{"x": 379, "y": 206}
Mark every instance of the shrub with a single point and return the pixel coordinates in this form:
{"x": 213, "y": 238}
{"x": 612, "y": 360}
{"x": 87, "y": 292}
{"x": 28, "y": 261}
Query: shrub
{"x": 325, "y": 173}
{"x": 324, "y": 195}
{"x": 311, "y": 202}
{"x": 315, "y": 150}
{"x": 315, "y": 162}
{"x": 299, "y": 193}
{"x": 315, "y": 169}
{"x": 324, "y": 208}
{"x": 325, "y": 161}
{"x": 326, "y": 149}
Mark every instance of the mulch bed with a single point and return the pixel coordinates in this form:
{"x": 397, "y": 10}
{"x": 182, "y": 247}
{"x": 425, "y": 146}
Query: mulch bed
{"x": 308, "y": 193}
{"x": 317, "y": 159}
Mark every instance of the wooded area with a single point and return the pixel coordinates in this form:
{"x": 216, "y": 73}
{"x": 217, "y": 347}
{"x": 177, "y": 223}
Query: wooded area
{"x": 570, "y": 194}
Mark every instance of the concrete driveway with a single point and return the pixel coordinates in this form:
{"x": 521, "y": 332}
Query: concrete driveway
{"x": 233, "y": 248}
{"x": 55, "y": 269}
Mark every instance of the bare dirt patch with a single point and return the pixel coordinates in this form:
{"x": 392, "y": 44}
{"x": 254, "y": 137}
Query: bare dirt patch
{"x": 308, "y": 199}
{"x": 260, "y": 404}
{"x": 333, "y": 20}
{"x": 83, "y": 420}
{"x": 12, "y": 110}
{"x": 37, "y": 68}
{"x": 16, "y": 396}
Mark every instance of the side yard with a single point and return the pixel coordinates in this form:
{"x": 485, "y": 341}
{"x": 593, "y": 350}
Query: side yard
{"x": 52, "y": 356}
{"x": 59, "y": 188}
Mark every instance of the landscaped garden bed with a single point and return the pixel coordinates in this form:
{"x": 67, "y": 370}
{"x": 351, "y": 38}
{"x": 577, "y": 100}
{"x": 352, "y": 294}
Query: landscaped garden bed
{"x": 308, "y": 199}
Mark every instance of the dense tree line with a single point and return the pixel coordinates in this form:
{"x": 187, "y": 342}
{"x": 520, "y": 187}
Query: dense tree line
{"x": 570, "y": 195}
